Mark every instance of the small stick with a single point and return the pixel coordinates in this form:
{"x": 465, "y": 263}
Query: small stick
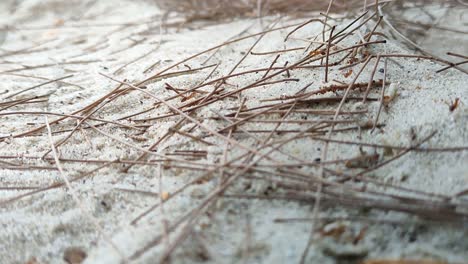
{"x": 276, "y": 51}
{"x": 303, "y": 25}
{"x": 371, "y": 79}
{"x": 37, "y": 86}
{"x": 328, "y": 53}
{"x": 271, "y": 66}
{"x": 382, "y": 98}
{"x": 190, "y": 136}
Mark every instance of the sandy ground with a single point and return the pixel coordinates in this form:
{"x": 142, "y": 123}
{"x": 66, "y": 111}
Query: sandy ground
{"x": 75, "y": 38}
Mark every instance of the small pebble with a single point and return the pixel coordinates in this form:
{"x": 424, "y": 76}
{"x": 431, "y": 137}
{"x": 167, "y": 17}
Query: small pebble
{"x": 165, "y": 196}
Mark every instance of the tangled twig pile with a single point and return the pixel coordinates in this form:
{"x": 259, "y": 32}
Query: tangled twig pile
{"x": 232, "y": 132}
{"x": 212, "y": 9}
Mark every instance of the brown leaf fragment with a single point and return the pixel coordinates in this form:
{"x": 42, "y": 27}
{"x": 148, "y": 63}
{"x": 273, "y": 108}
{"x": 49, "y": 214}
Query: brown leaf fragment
{"x": 74, "y": 255}
{"x": 348, "y": 73}
{"x": 363, "y": 161}
{"x": 454, "y": 104}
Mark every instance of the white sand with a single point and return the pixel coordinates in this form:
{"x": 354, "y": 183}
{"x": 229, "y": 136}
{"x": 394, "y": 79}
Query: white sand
{"x": 42, "y": 226}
